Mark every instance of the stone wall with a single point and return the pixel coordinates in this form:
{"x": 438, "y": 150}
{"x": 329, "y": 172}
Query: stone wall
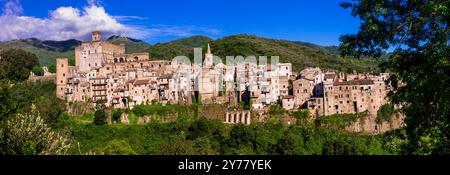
{"x": 370, "y": 126}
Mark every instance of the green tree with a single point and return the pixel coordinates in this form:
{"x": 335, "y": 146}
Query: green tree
{"x": 37, "y": 70}
{"x": 177, "y": 146}
{"x": 385, "y": 113}
{"x": 8, "y": 105}
{"x": 286, "y": 145}
{"x": 199, "y": 128}
{"x": 100, "y": 114}
{"x": 302, "y": 116}
{"x": 16, "y": 64}
{"x": 119, "y": 147}
{"x": 52, "y": 68}
{"x": 419, "y": 32}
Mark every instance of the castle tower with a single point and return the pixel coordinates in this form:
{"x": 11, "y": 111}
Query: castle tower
{"x": 62, "y": 72}
{"x": 208, "y": 58}
{"x": 96, "y": 36}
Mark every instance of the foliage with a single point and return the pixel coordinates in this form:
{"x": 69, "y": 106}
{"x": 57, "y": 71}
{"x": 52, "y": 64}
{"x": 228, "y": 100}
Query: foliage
{"x": 385, "y": 113}
{"x": 299, "y": 54}
{"x": 276, "y": 110}
{"x": 163, "y": 110}
{"x": 19, "y": 97}
{"x": 119, "y": 147}
{"x": 7, "y": 105}
{"x": 100, "y": 115}
{"x": 116, "y": 114}
{"x": 419, "y": 32}
{"x": 37, "y": 70}
{"x": 52, "y": 68}
{"x": 16, "y": 64}
{"x": 396, "y": 141}
{"x": 302, "y": 116}
{"x": 340, "y": 121}
{"x": 189, "y": 136}
{"x": 27, "y": 134}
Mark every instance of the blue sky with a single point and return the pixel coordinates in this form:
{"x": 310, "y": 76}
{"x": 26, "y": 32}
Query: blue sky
{"x": 319, "y": 21}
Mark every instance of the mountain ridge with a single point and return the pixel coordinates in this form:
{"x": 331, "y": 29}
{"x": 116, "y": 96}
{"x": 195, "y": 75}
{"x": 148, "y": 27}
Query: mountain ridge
{"x": 300, "y": 54}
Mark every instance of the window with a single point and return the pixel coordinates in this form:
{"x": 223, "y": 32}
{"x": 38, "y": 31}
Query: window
{"x": 62, "y": 65}
{"x": 64, "y": 75}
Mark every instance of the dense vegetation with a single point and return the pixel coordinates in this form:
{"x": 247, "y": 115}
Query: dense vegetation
{"x": 180, "y": 47}
{"x": 16, "y": 64}
{"x": 300, "y": 54}
{"x": 419, "y": 31}
{"x": 210, "y": 137}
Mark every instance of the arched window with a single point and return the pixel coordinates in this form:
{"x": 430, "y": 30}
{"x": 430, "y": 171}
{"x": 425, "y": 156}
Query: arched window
{"x": 136, "y": 58}
{"x": 115, "y": 60}
{"x": 121, "y": 60}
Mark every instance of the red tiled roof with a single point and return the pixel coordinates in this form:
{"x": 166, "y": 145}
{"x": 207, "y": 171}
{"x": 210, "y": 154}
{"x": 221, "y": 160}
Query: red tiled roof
{"x": 329, "y": 76}
{"x": 141, "y": 82}
{"x": 354, "y": 82}
{"x": 287, "y": 97}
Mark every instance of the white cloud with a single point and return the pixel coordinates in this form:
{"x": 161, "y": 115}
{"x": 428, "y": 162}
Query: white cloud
{"x": 73, "y": 23}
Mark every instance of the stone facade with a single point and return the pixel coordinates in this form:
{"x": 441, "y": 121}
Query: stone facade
{"x": 104, "y": 72}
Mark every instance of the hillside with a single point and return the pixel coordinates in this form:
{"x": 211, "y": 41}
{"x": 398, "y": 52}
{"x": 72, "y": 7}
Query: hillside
{"x": 131, "y": 45}
{"x": 46, "y": 51}
{"x": 171, "y": 49}
{"x": 300, "y": 54}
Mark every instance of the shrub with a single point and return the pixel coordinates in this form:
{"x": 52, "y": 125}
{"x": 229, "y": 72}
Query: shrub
{"x": 37, "y": 70}
{"x": 26, "y": 134}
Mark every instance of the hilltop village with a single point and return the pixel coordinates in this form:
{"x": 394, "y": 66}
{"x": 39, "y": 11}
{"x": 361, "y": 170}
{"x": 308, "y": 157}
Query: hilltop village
{"x": 105, "y": 72}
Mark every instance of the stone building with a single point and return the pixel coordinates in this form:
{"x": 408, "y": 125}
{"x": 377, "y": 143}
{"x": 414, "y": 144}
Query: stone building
{"x": 104, "y": 72}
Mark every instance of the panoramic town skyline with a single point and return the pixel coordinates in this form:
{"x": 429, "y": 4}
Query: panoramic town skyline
{"x": 319, "y": 22}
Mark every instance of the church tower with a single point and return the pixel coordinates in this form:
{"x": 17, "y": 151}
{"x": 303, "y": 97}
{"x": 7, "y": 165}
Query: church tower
{"x": 208, "y": 58}
{"x": 96, "y": 36}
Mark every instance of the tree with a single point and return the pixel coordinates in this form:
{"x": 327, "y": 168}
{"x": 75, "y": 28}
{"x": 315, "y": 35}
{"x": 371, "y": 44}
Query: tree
{"x": 37, "y": 70}
{"x": 27, "y": 134}
{"x": 100, "y": 115}
{"x": 16, "y": 64}
{"x": 52, "y": 68}
{"x": 385, "y": 113}
{"x": 119, "y": 147}
{"x": 199, "y": 128}
{"x": 7, "y": 104}
{"x": 419, "y": 32}
{"x": 302, "y": 116}
{"x": 176, "y": 146}
{"x": 286, "y": 145}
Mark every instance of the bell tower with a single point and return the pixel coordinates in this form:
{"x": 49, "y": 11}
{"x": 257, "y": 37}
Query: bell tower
{"x": 208, "y": 58}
